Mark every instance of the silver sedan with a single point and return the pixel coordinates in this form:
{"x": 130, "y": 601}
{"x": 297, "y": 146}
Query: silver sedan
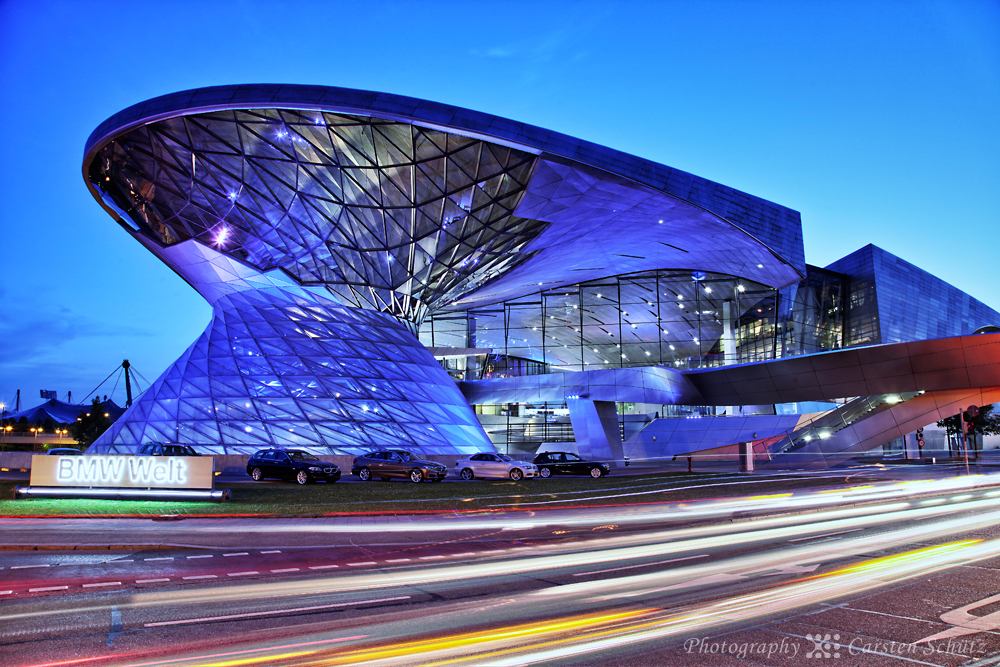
{"x": 494, "y": 465}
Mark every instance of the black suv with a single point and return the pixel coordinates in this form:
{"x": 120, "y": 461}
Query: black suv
{"x": 160, "y": 449}
{"x": 566, "y": 463}
{"x": 290, "y": 464}
{"x": 397, "y": 463}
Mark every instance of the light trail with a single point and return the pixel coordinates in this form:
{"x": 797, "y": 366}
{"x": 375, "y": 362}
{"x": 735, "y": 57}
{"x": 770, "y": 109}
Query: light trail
{"x": 599, "y": 551}
{"x": 631, "y": 606}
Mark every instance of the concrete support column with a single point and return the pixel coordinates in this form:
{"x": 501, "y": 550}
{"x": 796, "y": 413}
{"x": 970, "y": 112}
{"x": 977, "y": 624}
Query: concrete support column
{"x": 595, "y": 427}
{"x": 728, "y": 344}
{"x": 728, "y": 334}
{"x": 746, "y": 457}
{"x": 471, "y": 362}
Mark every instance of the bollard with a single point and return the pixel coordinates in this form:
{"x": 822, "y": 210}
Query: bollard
{"x": 689, "y": 464}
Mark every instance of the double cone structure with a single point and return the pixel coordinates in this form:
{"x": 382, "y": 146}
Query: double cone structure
{"x": 324, "y": 225}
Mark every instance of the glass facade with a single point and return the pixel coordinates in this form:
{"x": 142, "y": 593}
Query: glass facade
{"x": 281, "y": 366}
{"x": 336, "y": 246}
{"x": 386, "y": 215}
{"x": 681, "y": 319}
{"x": 893, "y": 301}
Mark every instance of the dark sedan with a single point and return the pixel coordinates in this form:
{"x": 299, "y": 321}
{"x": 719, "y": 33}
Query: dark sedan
{"x": 291, "y": 464}
{"x": 566, "y": 463}
{"x": 391, "y": 463}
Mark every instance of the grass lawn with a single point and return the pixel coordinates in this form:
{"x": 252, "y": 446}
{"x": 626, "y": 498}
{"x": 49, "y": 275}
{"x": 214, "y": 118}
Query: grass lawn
{"x": 399, "y": 497}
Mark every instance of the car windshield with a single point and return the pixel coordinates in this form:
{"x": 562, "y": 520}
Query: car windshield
{"x": 404, "y": 455}
{"x": 504, "y": 458}
{"x": 302, "y": 456}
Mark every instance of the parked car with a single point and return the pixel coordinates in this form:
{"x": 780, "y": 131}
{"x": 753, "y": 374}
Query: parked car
{"x": 159, "y": 449}
{"x": 391, "y": 463}
{"x": 291, "y": 464}
{"x": 63, "y": 451}
{"x": 494, "y": 465}
{"x": 567, "y": 463}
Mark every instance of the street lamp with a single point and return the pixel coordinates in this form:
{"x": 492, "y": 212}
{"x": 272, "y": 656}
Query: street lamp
{"x": 3, "y": 432}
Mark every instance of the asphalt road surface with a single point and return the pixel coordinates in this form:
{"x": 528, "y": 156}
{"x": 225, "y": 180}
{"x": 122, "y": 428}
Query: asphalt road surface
{"x": 893, "y": 573}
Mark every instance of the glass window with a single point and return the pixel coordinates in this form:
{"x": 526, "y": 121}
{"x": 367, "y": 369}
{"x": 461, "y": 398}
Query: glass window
{"x": 302, "y": 456}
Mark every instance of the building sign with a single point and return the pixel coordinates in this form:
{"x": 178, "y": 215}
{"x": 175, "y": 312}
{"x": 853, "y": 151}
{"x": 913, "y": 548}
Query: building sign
{"x": 115, "y": 471}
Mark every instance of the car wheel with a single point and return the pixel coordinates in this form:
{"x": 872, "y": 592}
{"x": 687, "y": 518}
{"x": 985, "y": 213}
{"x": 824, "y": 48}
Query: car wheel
{"x": 302, "y": 477}
{"x": 595, "y": 472}
{"x": 516, "y": 474}
{"x": 257, "y": 474}
{"x": 545, "y": 472}
{"x": 365, "y": 474}
{"x": 467, "y": 474}
{"x": 416, "y": 475}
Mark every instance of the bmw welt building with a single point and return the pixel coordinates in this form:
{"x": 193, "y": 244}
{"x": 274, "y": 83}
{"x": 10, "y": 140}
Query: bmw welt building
{"x": 390, "y": 272}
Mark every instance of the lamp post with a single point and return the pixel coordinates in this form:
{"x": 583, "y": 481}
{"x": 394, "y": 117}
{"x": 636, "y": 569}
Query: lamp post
{"x": 3, "y": 433}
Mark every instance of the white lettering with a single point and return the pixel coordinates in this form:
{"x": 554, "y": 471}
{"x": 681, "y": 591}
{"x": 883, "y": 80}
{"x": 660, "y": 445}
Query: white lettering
{"x": 64, "y": 469}
{"x": 182, "y": 467}
{"x": 112, "y": 470}
{"x": 140, "y": 469}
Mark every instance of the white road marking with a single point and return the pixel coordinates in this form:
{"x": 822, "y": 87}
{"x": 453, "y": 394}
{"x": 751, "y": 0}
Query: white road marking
{"x": 47, "y": 588}
{"x": 431, "y": 557}
{"x": 470, "y": 553}
{"x": 816, "y": 537}
{"x": 271, "y": 613}
{"x": 150, "y": 581}
{"x": 6, "y": 592}
{"x": 632, "y": 567}
{"x": 202, "y": 576}
{"x": 322, "y": 567}
{"x": 367, "y": 562}
{"x": 106, "y": 583}
{"x": 242, "y": 553}
{"x": 152, "y": 559}
{"x": 287, "y": 569}
{"x": 25, "y": 567}
{"x": 270, "y": 552}
{"x": 495, "y": 551}
{"x": 399, "y": 560}
{"x": 240, "y": 574}
{"x": 205, "y": 556}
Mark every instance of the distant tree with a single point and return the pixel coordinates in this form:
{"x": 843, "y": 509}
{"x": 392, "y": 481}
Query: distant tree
{"x": 985, "y": 423}
{"x": 90, "y": 425}
{"x": 22, "y": 425}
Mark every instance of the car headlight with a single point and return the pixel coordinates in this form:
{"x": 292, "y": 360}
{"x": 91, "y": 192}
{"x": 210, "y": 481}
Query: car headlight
{"x": 315, "y": 469}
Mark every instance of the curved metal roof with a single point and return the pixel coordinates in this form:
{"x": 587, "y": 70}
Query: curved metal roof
{"x": 577, "y": 202}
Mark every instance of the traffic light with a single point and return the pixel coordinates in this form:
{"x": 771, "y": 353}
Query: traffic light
{"x": 920, "y": 438}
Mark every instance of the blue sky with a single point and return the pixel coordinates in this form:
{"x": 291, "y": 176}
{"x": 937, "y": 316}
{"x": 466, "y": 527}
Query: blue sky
{"x": 878, "y": 121}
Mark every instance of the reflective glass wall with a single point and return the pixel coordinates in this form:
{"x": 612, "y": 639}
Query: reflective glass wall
{"x": 682, "y": 319}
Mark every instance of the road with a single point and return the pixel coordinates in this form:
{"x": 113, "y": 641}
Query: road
{"x": 886, "y": 574}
